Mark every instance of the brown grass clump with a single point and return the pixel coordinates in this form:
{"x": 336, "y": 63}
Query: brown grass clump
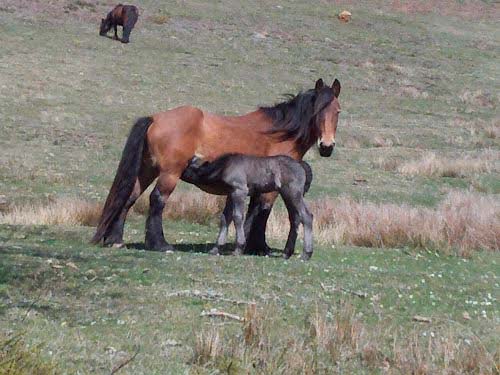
{"x": 432, "y": 165}
{"x": 462, "y": 223}
{"x": 63, "y": 211}
{"x": 339, "y": 337}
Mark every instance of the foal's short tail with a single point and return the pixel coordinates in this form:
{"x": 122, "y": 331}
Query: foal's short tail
{"x": 125, "y": 177}
{"x": 309, "y": 175}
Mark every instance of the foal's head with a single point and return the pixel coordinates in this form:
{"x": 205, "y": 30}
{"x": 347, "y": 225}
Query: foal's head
{"x": 105, "y": 26}
{"x": 327, "y": 109}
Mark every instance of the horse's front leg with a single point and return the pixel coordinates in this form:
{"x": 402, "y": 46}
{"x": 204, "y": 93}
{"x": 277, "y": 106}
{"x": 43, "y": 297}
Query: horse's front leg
{"x": 115, "y": 26}
{"x": 255, "y": 225}
{"x": 225, "y": 220}
{"x": 155, "y": 239}
{"x": 238, "y": 199}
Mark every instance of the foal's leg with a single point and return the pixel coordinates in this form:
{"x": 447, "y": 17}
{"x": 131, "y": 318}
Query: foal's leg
{"x": 238, "y": 198}
{"x": 155, "y": 240}
{"x": 307, "y": 220}
{"x": 298, "y": 213}
{"x": 292, "y": 235}
{"x": 255, "y": 224}
{"x": 225, "y": 220}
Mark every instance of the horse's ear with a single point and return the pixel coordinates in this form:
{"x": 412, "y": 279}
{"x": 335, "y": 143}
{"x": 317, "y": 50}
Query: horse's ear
{"x": 336, "y": 88}
{"x": 319, "y": 85}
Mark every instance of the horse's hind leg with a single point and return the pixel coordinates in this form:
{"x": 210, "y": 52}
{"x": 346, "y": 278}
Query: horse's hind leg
{"x": 225, "y": 220}
{"x": 114, "y": 235}
{"x": 255, "y": 225}
{"x": 155, "y": 240}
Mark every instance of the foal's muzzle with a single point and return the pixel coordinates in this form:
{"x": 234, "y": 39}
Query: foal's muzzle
{"x": 326, "y": 150}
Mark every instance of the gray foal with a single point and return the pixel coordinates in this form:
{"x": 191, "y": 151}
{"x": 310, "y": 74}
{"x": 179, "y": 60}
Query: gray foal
{"x": 237, "y": 176}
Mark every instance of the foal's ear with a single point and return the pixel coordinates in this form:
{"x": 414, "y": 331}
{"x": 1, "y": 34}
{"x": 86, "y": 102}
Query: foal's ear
{"x": 319, "y": 85}
{"x": 336, "y": 88}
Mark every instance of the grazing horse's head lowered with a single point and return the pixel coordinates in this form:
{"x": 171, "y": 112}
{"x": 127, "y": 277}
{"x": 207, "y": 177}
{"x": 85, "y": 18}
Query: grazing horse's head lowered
{"x": 308, "y": 117}
{"x": 105, "y": 26}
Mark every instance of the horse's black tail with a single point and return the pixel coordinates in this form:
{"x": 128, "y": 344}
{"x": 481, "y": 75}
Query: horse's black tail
{"x": 309, "y": 175}
{"x": 125, "y": 177}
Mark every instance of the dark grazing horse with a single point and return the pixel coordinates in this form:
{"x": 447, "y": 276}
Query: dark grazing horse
{"x": 162, "y": 145}
{"x": 122, "y": 15}
{"x": 240, "y": 175}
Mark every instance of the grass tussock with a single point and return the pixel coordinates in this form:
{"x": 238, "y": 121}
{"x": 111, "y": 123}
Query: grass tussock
{"x": 62, "y": 211}
{"x": 432, "y": 165}
{"x": 462, "y": 223}
{"x": 17, "y": 359}
{"x": 339, "y": 340}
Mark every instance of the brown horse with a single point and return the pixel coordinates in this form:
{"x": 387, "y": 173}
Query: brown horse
{"x": 121, "y": 15}
{"x": 162, "y": 146}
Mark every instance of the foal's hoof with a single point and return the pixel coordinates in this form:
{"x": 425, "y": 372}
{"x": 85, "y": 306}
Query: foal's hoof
{"x": 214, "y": 251}
{"x": 237, "y": 252}
{"x": 306, "y": 256}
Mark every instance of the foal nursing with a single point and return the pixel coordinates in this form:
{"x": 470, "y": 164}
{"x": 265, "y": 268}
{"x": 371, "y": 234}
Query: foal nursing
{"x": 237, "y": 176}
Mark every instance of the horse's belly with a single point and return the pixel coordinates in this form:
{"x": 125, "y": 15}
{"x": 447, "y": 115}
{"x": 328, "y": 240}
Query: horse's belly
{"x": 217, "y": 189}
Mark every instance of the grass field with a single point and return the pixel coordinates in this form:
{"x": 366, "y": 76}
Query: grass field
{"x": 418, "y": 142}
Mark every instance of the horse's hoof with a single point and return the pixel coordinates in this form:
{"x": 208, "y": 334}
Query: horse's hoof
{"x": 214, "y": 251}
{"x": 306, "y": 256}
{"x": 119, "y": 245}
{"x": 125, "y": 41}
{"x": 160, "y": 247}
{"x": 286, "y": 256}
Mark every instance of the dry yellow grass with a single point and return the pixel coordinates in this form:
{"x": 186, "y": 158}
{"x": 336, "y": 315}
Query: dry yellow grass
{"x": 432, "y": 165}
{"x": 194, "y": 206}
{"x": 463, "y": 222}
{"x": 63, "y": 211}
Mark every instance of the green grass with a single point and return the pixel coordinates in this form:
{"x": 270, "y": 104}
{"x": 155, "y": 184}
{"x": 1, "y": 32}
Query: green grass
{"x": 68, "y": 97}
{"x": 119, "y": 298}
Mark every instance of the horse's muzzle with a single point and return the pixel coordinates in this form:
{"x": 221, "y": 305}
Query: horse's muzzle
{"x": 324, "y": 150}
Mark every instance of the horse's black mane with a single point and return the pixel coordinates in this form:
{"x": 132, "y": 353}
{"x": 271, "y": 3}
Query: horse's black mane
{"x": 296, "y": 117}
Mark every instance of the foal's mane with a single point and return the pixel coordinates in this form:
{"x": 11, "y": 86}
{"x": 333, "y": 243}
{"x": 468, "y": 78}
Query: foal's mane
{"x": 295, "y": 118}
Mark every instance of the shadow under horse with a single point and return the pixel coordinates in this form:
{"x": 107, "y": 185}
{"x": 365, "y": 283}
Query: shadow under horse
{"x": 121, "y": 15}
{"x": 161, "y": 146}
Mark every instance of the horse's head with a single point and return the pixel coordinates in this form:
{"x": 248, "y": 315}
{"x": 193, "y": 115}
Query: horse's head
{"x": 105, "y": 26}
{"x": 327, "y": 109}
